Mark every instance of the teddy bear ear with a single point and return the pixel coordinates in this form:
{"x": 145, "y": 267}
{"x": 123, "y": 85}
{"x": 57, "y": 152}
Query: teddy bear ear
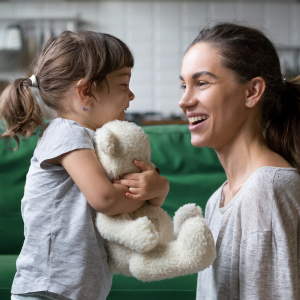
{"x": 106, "y": 140}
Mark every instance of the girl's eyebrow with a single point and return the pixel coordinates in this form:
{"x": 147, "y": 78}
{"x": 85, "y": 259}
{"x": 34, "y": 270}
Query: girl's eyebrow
{"x": 125, "y": 74}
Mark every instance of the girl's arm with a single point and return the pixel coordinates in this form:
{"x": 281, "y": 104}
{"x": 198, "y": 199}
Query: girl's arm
{"x": 88, "y": 174}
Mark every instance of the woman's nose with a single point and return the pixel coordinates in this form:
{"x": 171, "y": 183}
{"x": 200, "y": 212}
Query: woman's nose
{"x": 188, "y": 99}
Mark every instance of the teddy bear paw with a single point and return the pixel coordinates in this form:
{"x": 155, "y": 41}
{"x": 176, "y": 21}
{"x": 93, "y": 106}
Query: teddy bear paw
{"x": 184, "y": 213}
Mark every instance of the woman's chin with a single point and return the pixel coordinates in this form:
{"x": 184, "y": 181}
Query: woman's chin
{"x": 198, "y": 142}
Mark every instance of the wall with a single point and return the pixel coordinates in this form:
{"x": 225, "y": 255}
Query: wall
{"x": 159, "y": 32}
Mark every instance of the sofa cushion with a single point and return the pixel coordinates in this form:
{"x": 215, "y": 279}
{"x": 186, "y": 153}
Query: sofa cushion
{"x": 123, "y": 287}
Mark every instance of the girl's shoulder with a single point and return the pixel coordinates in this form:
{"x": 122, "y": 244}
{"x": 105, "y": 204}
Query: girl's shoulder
{"x": 62, "y": 136}
{"x": 65, "y": 127}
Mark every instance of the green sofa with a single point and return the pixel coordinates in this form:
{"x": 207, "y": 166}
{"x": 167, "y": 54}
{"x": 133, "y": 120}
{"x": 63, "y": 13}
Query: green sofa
{"x": 194, "y": 174}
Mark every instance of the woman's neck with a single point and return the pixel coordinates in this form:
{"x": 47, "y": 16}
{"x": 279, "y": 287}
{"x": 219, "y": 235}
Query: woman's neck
{"x": 242, "y": 157}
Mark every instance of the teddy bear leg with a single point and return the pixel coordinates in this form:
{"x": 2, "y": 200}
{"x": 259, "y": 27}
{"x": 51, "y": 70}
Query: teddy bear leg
{"x": 139, "y": 235}
{"x": 118, "y": 260}
{"x": 193, "y": 251}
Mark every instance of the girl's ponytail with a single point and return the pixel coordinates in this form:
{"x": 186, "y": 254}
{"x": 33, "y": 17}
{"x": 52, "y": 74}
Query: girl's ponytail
{"x": 20, "y": 110}
{"x": 282, "y": 121}
{"x": 63, "y": 61}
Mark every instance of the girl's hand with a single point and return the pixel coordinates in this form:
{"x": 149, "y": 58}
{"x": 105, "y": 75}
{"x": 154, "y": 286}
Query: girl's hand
{"x": 148, "y": 185}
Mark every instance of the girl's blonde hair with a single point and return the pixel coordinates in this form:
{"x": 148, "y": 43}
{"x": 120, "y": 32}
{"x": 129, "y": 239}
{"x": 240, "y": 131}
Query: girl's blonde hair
{"x": 64, "y": 60}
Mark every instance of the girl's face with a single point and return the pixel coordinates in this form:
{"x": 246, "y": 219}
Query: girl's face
{"x": 212, "y": 99}
{"x": 113, "y": 97}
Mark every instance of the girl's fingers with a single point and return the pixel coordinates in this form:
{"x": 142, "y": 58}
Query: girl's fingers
{"x": 142, "y": 165}
{"x": 134, "y": 197}
{"x": 135, "y": 191}
{"x": 133, "y": 176}
{"x": 128, "y": 183}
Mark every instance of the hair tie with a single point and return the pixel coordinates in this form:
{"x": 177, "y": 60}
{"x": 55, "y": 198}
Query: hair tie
{"x": 34, "y": 82}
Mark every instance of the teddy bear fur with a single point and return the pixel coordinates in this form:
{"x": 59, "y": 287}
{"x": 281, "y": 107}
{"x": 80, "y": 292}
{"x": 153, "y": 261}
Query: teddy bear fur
{"x": 146, "y": 244}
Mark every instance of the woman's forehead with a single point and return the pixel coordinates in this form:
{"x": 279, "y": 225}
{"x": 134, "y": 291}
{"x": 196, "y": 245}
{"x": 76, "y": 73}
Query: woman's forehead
{"x": 201, "y": 57}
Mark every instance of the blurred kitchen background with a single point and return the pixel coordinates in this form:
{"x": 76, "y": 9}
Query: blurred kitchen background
{"x": 158, "y": 33}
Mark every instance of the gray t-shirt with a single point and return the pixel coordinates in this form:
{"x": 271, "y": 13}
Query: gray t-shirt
{"x": 257, "y": 239}
{"x": 63, "y": 252}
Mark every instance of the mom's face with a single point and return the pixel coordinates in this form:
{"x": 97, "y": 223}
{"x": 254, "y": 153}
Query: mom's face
{"x": 212, "y": 99}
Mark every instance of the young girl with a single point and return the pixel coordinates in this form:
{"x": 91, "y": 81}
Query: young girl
{"x": 85, "y": 77}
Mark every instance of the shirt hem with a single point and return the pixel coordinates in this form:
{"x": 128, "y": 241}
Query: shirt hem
{"x": 55, "y": 288}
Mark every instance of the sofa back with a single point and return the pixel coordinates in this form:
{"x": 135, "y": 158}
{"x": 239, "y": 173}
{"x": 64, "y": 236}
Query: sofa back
{"x": 194, "y": 174}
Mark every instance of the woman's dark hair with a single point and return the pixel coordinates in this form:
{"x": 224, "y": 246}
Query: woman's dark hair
{"x": 249, "y": 53}
{"x": 63, "y": 60}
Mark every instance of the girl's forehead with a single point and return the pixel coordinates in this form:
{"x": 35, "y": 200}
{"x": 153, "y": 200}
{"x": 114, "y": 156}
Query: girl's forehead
{"x": 125, "y": 71}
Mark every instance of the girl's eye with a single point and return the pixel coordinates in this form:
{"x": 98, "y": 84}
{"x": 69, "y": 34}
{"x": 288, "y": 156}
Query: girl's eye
{"x": 125, "y": 84}
{"x": 183, "y": 86}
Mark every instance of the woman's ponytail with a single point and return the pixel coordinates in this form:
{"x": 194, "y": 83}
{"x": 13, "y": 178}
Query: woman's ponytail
{"x": 282, "y": 120}
{"x": 20, "y": 110}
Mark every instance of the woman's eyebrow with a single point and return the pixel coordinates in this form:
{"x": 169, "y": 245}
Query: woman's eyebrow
{"x": 198, "y": 74}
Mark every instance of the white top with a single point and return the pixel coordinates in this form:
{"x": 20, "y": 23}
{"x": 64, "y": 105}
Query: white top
{"x": 257, "y": 239}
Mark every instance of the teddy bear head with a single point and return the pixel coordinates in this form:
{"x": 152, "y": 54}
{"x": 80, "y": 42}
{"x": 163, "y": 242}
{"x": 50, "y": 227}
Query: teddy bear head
{"x": 118, "y": 144}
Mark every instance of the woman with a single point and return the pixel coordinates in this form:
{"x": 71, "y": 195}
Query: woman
{"x": 239, "y": 104}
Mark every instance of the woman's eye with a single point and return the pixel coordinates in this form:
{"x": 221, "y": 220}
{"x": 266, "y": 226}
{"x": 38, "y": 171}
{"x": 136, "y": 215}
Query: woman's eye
{"x": 183, "y": 86}
{"x": 126, "y": 85}
{"x": 201, "y": 83}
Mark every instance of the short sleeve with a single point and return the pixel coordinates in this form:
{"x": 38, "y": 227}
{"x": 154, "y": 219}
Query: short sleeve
{"x": 267, "y": 269}
{"x": 269, "y": 256}
{"x": 62, "y": 136}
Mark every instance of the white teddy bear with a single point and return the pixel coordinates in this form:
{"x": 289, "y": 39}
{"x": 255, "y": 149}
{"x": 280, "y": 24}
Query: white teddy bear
{"x": 143, "y": 244}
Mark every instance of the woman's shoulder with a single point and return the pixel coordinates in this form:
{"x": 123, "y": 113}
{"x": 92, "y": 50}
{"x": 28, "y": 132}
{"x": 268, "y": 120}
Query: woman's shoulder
{"x": 271, "y": 180}
{"x": 266, "y": 196}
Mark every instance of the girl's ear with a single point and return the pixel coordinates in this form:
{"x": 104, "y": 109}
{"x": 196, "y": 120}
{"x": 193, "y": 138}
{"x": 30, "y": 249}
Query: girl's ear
{"x": 106, "y": 141}
{"x": 83, "y": 92}
{"x": 255, "y": 91}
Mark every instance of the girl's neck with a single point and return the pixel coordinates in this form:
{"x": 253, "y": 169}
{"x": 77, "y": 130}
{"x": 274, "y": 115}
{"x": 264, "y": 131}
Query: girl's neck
{"x": 77, "y": 119}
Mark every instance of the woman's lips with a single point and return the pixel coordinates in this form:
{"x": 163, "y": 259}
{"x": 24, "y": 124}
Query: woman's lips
{"x": 194, "y": 126}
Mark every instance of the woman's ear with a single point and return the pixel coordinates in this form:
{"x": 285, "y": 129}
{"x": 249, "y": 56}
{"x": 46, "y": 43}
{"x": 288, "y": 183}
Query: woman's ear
{"x": 255, "y": 91}
{"x": 84, "y": 93}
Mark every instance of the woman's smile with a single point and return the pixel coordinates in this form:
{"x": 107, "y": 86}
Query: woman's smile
{"x": 197, "y": 121}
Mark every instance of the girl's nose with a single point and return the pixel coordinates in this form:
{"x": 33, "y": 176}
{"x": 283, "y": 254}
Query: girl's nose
{"x": 131, "y": 95}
